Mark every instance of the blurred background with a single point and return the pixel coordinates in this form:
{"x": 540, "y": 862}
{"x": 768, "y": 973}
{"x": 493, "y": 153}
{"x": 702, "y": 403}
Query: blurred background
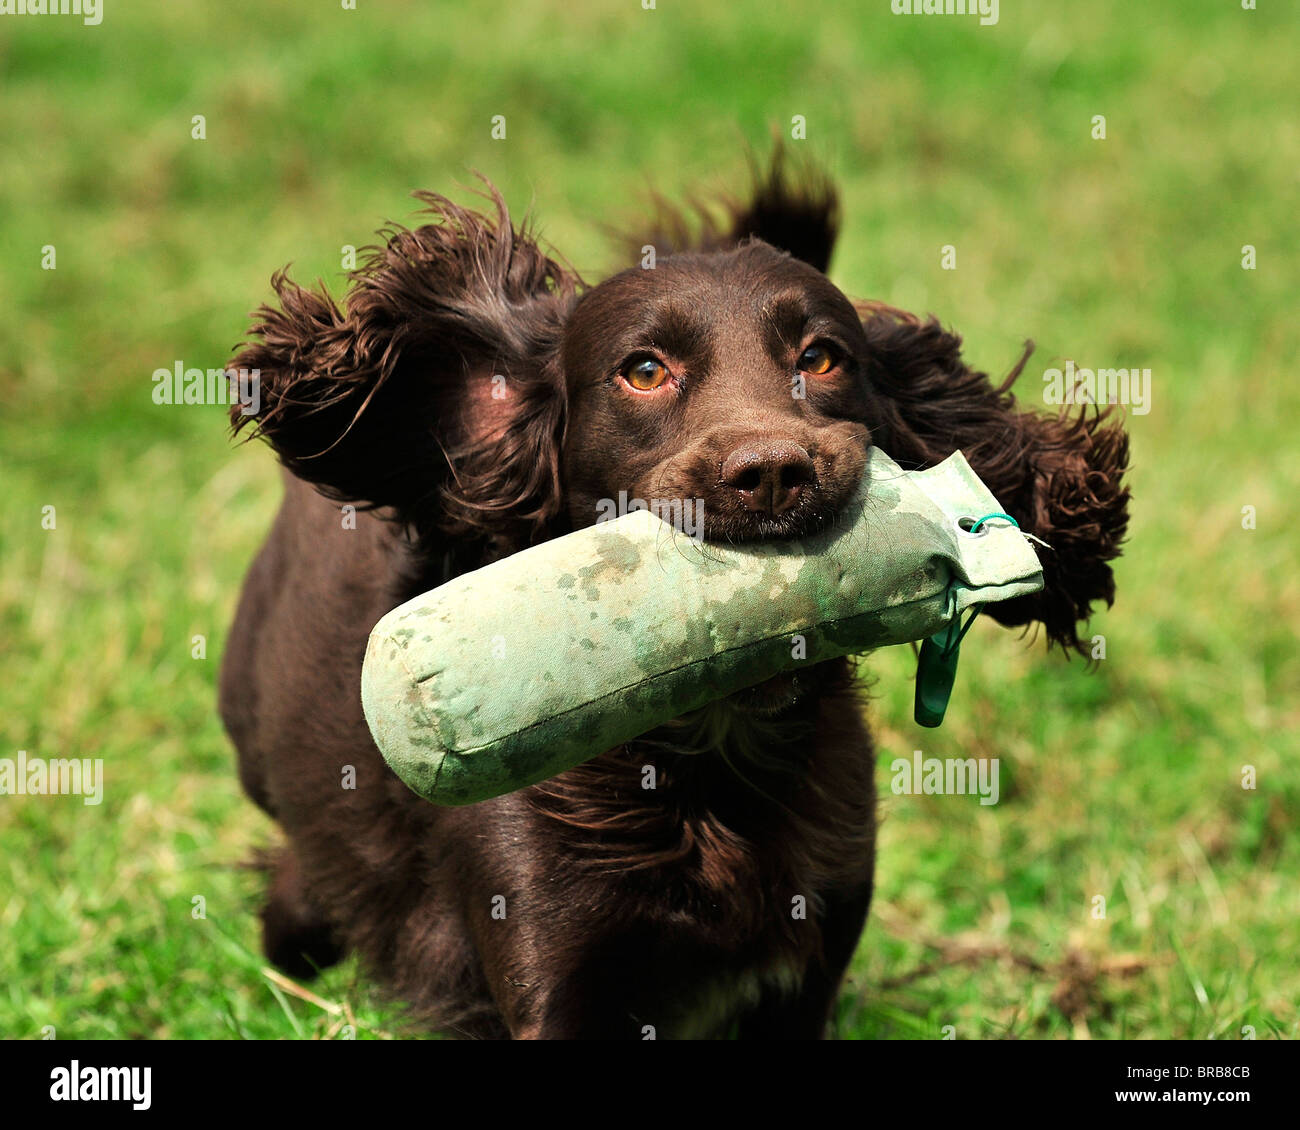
{"x": 1124, "y": 782}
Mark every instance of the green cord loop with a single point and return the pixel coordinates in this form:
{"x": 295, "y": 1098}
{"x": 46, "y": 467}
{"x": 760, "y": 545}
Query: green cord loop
{"x": 988, "y": 517}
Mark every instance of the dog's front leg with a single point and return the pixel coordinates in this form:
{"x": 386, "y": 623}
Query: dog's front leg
{"x": 804, "y": 1014}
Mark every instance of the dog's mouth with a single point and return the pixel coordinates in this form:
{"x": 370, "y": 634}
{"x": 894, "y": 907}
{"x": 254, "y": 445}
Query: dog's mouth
{"x": 741, "y": 528}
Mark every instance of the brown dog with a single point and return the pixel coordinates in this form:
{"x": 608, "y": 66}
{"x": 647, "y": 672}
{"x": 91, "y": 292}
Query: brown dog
{"x": 473, "y": 398}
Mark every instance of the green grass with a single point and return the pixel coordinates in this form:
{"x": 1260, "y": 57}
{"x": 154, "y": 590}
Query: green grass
{"x": 1123, "y": 783}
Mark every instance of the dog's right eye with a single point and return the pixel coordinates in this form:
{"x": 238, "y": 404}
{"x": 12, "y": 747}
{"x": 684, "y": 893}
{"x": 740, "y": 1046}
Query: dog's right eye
{"x": 645, "y": 374}
{"x": 818, "y": 360}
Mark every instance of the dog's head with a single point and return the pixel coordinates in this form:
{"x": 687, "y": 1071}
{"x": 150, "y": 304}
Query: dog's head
{"x": 732, "y": 381}
{"x": 474, "y": 390}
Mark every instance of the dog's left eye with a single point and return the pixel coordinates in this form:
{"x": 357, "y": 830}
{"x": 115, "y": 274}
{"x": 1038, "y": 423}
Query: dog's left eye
{"x": 645, "y": 374}
{"x": 817, "y": 360}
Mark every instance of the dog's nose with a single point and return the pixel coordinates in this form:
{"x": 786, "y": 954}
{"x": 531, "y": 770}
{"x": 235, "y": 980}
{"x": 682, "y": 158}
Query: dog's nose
{"x": 768, "y": 476}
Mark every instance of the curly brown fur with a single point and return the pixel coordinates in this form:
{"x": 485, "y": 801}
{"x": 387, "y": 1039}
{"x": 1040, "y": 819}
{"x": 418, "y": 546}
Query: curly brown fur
{"x": 1060, "y": 476}
{"x": 790, "y": 206}
{"x": 393, "y": 403}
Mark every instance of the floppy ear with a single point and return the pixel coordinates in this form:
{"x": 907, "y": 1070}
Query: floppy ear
{"x": 1059, "y": 476}
{"x": 436, "y": 391}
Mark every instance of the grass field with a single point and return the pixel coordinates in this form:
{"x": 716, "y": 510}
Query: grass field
{"x": 1124, "y": 783}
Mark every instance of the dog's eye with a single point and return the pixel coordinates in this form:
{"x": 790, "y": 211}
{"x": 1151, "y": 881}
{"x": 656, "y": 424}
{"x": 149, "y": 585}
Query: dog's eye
{"x": 645, "y": 375}
{"x": 817, "y": 360}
